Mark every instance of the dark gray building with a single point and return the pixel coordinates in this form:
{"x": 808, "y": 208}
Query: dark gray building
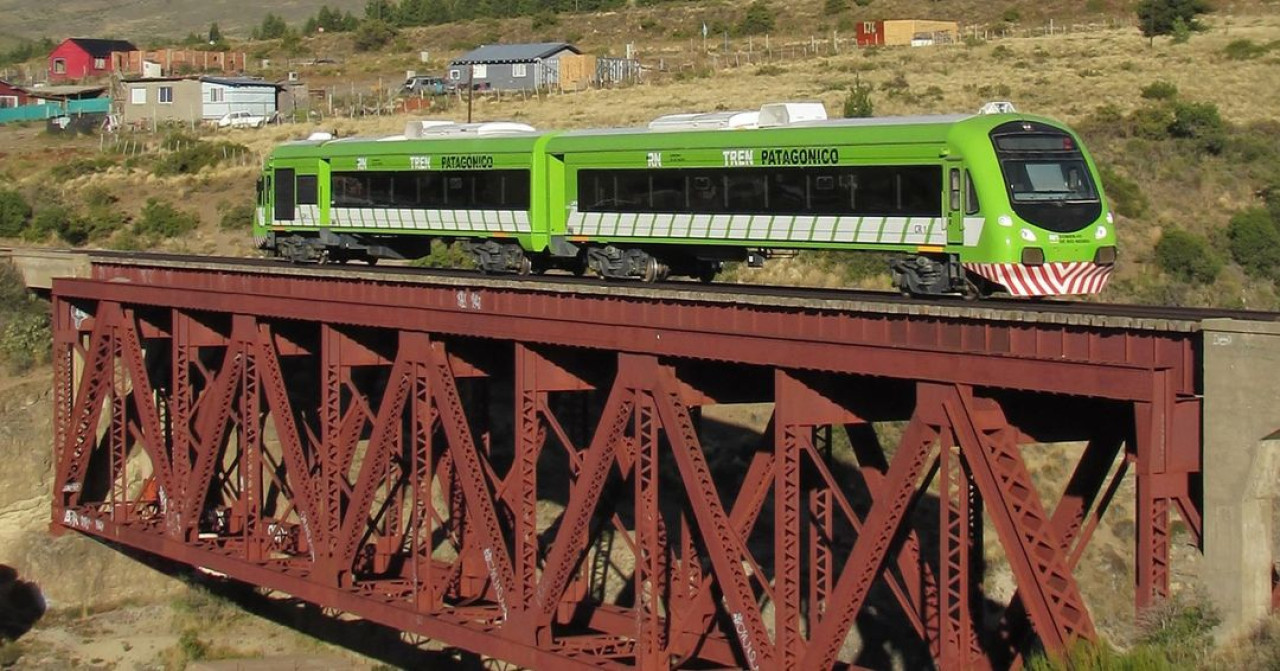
{"x": 510, "y": 67}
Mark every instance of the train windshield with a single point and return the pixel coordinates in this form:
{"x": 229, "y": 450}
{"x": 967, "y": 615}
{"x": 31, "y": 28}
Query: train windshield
{"x": 1048, "y": 180}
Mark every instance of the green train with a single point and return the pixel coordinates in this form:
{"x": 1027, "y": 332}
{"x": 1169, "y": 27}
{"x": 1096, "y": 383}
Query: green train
{"x": 967, "y": 204}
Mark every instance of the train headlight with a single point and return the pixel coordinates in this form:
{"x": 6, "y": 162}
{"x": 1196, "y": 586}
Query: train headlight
{"x": 1111, "y": 217}
{"x": 1028, "y": 235}
{"x": 1005, "y": 220}
{"x": 1105, "y": 256}
{"x": 1032, "y": 256}
{"x": 1100, "y": 233}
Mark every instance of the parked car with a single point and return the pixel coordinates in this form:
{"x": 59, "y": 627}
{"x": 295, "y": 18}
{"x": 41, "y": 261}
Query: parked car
{"x": 242, "y": 119}
{"x": 425, "y": 85}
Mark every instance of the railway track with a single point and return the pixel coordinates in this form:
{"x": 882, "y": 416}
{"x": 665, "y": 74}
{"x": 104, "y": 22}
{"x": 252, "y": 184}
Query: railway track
{"x": 1051, "y": 309}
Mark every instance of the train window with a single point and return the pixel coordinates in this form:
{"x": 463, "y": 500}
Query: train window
{"x": 307, "y": 190}
{"x": 871, "y": 190}
{"x": 788, "y": 191}
{"x": 971, "y": 205}
{"x": 284, "y": 195}
{"x": 490, "y": 190}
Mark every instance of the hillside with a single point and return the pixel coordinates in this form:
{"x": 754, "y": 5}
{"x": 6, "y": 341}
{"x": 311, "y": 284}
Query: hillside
{"x": 148, "y": 20}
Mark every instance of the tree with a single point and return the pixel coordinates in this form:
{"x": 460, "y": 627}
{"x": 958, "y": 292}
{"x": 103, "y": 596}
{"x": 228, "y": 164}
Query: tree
{"x": 858, "y": 103}
{"x": 757, "y": 19}
{"x": 1159, "y": 17}
{"x": 373, "y": 35}
{"x": 379, "y": 10}
{"x": 273, "y": 28}
{"x": 215, "y": 34}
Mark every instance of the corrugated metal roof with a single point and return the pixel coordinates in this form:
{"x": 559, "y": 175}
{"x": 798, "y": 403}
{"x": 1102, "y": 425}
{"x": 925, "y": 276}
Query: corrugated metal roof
{"x": 239, "y": 81}
{"x": 102, "y": 48}
{"x": 513, "y": 53}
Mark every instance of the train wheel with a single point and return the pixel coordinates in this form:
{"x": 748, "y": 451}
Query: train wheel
{"x": 654, "y": 270}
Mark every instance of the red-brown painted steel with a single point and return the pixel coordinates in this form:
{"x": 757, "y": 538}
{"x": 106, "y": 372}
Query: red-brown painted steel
{"x": 529, "y": 473}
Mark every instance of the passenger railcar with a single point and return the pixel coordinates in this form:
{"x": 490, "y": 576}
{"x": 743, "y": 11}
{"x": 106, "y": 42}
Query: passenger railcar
{"x": 996, "y": 201}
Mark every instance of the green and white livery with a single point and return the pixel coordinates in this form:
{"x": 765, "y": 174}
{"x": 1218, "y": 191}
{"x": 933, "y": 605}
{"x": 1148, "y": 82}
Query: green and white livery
{"x": 995, "y": 201}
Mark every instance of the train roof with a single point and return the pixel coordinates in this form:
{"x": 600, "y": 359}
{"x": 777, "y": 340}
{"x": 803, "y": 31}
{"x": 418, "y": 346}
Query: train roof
{"x": 789, "y": 123}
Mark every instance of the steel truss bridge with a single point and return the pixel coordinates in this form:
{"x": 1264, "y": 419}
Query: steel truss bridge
{"x": 534, "y": 471}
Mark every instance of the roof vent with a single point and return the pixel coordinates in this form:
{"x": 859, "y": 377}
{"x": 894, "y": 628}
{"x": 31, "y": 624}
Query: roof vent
{"x": 420, "y": 127}
{"x": 997, "y": 107}
{"x": 503, "y": 128}
{"x": 785, "y": 114}
{"x": 435, "y": 128}
{"x": 706, "y": 121}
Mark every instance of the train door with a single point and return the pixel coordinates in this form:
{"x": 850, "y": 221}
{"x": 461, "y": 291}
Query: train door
{"x": 285, "y": 194}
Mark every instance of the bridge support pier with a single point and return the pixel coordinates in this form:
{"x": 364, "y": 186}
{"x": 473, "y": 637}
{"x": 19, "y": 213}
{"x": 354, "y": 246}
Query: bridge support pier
{"x": 1241, "y": 468}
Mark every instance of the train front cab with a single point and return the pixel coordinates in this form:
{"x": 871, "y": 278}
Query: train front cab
{"x": 1046, "y": 229}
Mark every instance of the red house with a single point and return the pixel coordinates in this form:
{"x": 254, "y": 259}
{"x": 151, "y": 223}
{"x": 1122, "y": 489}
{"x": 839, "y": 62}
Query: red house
{"x": 12, "y": 96}
{"x": 81, "y": 58}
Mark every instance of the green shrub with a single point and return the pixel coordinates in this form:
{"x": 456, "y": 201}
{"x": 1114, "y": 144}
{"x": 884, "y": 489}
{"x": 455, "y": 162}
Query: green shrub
{"x": 14, "y": 213}
{"x": 1244, "y": 49}
{"x": 758, "y": 19}
{"x": 26, "y": 340}
{"x": 830, "y": 7}
{"x": 1255, "y": 242}
{"x": 373, "y": 35}
{"x": 1011, "y": 15}
{"x": 162, "y": 220}
{"x": 1181, "y": 629}
{"x": 445, "y": 256}
{"x": 24, "y": 323}
{"x": 858, "y": 103}
{"x": 1160, "y": 90}
{"x": 1187, "y": 256}
{"x": 61, "y": 221}
{"x": 545, "y": 19}
{"x": 238, "y": 216}
{"x": 1151, "y": 123}
{"x": 1200, "y": 122}
{"x": 80, "y": 166}
{"x": 1126, "y": 196}
{"x": 189, "y": 155}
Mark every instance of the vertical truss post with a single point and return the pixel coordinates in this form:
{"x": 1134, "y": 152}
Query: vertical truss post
{"x": 1151, "y": 433}
{"x": 791, "y": 433}
{"x": 822, "y": 531}
{"x": 420, "y": 477}
{"x": 180, "y": 422}
{"x": 250, "y": 440}
{"x": 118, "y": 426}
{"x": 331, "y": 472}
{"x": 66, "y": 335}
{"x": 957, "y": 644}
{"x": 650, "y": 548}
{"x": 529, "y": 438}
